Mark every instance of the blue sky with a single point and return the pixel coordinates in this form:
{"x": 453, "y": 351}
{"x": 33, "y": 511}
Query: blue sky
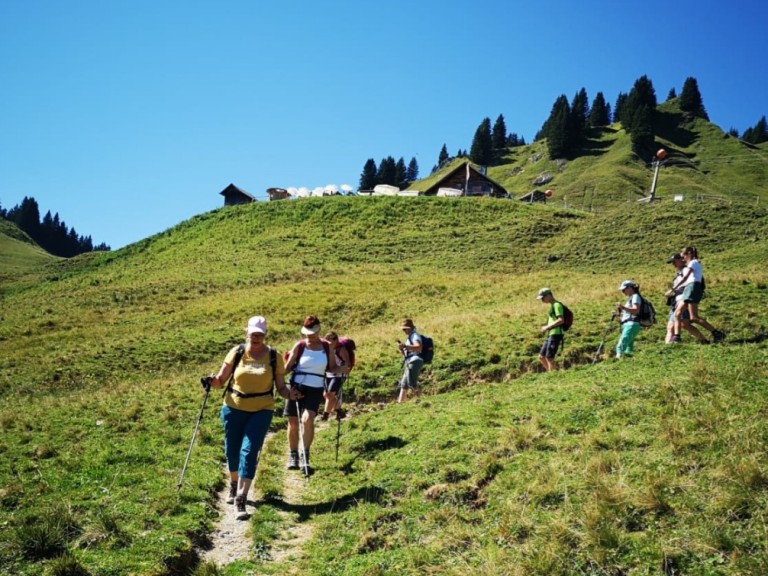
{"x": 127, "y": 118}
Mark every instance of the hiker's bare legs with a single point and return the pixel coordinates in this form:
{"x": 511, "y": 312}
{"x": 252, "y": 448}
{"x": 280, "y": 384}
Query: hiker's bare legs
{"x": 548, "y": 363}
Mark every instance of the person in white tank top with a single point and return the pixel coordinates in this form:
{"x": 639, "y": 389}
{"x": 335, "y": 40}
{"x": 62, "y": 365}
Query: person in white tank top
{"x": 309, "y": 359}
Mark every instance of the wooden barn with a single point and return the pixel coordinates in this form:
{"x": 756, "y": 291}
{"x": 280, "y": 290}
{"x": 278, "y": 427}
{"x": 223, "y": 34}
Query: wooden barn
{"x": 234, "y": 195}
{"x": 470, "y": 180}
{"x": 277, "y": 194}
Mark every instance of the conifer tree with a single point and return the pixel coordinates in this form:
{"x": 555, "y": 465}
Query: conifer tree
{"x": 641, "y": 96}
{"x": 599, "y": 114}
{"x": 757, "y": 134}
{"x": 557, "y": 129}
{"x": 499, "y": 136}
{"x": 579, "y": 115}
{"x": 400, "y": 173}
{"x": 412, "y": 172}
{"x": 672, "y": 94}
{"x": 387, "y": 172}
{"x": 443, "y": 155}
{"x": 690, "y": 99}
{"x": 368, "y": 176}
{"x": 481, "y": 151}
{"x": 619, "y": 106}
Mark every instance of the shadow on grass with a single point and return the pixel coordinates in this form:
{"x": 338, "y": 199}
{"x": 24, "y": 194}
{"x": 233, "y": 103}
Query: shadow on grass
{"x": 367, "y": 495}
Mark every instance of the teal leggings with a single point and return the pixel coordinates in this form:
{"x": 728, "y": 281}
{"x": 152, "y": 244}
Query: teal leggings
{"x": 626, "y": 344}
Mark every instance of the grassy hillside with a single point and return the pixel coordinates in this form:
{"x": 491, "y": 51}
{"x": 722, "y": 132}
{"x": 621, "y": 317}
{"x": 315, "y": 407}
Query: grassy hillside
{"x": 606, "y": 469}
{"x": 702, "y": 161}
{"x": 20, "y": 257}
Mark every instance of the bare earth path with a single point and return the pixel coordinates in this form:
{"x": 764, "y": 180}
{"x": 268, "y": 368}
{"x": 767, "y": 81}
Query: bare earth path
{"x": 231, "y": 538}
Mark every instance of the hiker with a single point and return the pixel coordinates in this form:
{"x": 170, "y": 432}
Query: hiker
{"x": 675, "y": 295}
{"x": 553, "y": 329}
{"x": 248, "y": 406}
{"x": 412, "y": 362}
{"x": 693, "y": 290}
{"x": 628, "y": 313}
{"x": 310, "y": 359}
{"x": 335, "y": 379}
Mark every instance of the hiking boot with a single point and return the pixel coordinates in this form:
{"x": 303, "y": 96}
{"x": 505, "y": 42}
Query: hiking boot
{"x": 718, "y": 336}
{"x": 676, "y": 339}
{"x": 293, "y": 460}
{"x": 703, "y": 341}
{"x": 241, "y": 512}
{"x": 232, "y": 493}
{"x": 341, "y": 414}
{"x": 324, "y": 417}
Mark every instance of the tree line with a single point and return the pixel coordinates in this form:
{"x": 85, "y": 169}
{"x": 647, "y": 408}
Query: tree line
{"x": 51, "y": 233}
{"x": 566, "y": 130}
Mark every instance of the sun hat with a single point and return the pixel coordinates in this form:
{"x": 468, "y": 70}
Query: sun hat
{"x": 627, "y": 284}
{"x": 543, "y": 292}
{"x": 310, "y": 326}
{"x": 675, "y": 256}
{"x": 256, "y": 324}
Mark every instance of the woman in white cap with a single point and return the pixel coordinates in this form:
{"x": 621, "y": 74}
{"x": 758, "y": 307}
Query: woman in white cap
{"x": 628, "y": 318}
{"x": 310, "y": 359}
{"x": 250, "y": 372}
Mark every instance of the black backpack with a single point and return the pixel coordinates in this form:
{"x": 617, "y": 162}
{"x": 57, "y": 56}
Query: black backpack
{"x": 427, "y": 349}
{"x": 647, "y": 315}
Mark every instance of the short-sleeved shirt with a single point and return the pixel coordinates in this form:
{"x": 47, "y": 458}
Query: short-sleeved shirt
{"x": 253, "y": 375}
{"x": 632, "y": 301}
{"x": 412, "y": 339}
{"x": 556, "y": 311}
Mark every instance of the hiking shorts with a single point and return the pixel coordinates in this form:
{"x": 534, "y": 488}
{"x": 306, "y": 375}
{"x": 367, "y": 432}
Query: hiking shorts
{"x": 411, "y": 372}
{"x": 311, "y": 401}
{"x": 551, "y": 346}
{"x": 693, "y": 293}
{"x": 334, "y": 383}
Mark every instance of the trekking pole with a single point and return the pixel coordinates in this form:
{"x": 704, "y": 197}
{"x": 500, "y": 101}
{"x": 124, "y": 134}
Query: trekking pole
{"x": 338, "y": 419}
{"x": 302, "y": 449}
{"x": 206, "y": 383}
{"x": 605, "y": 335}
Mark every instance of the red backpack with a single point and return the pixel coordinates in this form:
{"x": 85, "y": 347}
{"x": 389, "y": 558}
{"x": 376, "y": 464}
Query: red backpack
{"x": 350, "y": 346}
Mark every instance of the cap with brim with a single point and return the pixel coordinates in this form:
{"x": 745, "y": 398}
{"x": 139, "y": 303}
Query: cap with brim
{"x": 543, "y": 292}
{"x": 256, "y": 324}
{"x": 674, "y": 257}
{"x": 627, "y": 284}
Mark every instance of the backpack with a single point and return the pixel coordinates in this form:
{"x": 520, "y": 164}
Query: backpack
{"x": 567, "y": 316}
{"x": 238, "y": 357}
{"x": 350, "y": 347}
{"x": 647, "y": 315}
{"x": 427, "y": 349}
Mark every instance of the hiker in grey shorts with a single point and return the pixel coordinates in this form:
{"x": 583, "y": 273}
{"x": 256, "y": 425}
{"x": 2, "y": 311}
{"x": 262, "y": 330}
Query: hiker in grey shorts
{"x": 412, "y": 362}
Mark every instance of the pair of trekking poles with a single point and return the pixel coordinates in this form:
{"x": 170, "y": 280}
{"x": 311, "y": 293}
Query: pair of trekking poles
{"x": 302, "y": 449}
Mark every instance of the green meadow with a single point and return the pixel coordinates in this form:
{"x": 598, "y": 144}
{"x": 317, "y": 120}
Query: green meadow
{"x": 650, "y": 465}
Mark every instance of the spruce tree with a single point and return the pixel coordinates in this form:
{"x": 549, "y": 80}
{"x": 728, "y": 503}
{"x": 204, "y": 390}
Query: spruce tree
{"x": 557, "y": 129}
{"x": 481, "y": 151}
{"x": 579, "y": 115}
{"x": 641, "y": 96}
{"x": 499, "y": 136}
{"x": 672, "y": 94}
{"x": 621, "y": 99}
{"x": 368, "y": 176}
{"x": 401, "y": 178}
{"x": 690, "y": 99}
{"x": 412, "y": 173}
{"x": 387, "y": 172}
{"x": 599, "y": 114}
{"x": 443, "y": 156}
